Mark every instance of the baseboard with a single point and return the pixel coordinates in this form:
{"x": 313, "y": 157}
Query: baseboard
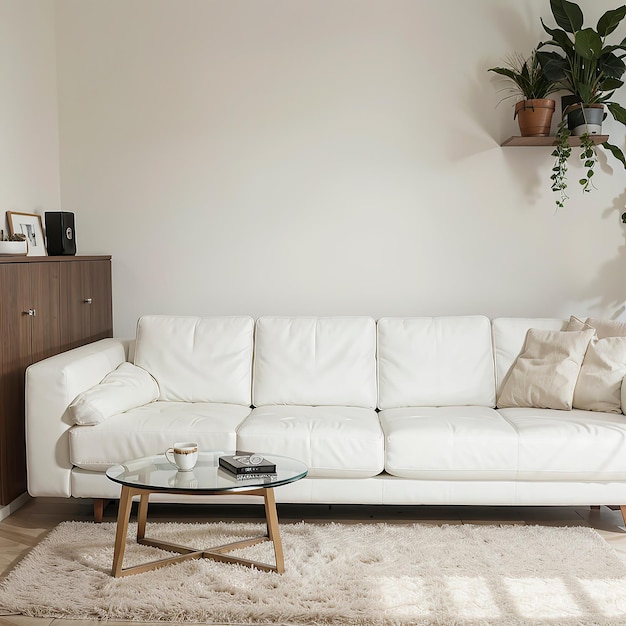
{"x": 10, "y": 508}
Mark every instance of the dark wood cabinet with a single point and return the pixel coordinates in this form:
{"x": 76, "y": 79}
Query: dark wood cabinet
{"x": 85, "y": 302}
{"x": 40, "y": 316}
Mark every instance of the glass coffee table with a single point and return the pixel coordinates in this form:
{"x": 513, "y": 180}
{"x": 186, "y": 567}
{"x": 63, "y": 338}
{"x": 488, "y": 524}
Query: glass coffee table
{"x": 154, "y": 474}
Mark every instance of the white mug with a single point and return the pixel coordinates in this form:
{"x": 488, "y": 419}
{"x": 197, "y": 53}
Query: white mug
{"x": 185, "y": 455}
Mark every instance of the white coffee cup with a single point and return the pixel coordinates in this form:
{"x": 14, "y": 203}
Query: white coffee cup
{"x": 184, "y": 455}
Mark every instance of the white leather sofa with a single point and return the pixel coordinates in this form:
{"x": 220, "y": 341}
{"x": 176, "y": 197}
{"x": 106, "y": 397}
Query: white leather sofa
{"x": 394, "y": 411}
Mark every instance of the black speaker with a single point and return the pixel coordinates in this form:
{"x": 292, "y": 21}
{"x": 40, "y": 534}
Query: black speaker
{"x": 60, "y": 234}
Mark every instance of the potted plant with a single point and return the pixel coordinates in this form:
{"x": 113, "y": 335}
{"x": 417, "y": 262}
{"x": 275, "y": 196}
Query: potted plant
{"x": 13, "y": 245}
{"x": 590, "y": 69}
{"x": 534, "y": 111}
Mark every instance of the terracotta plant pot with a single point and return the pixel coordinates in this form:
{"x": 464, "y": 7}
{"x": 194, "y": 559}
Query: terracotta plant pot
{"x": 589, "y": 120}
{"x": 535, "y": 117}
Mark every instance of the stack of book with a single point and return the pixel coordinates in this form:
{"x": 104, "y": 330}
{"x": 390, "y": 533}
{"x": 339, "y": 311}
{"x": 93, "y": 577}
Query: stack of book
{"x": 245, "y": 466}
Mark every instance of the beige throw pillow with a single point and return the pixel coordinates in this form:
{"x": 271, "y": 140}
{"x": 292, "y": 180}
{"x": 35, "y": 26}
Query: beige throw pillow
{"x": 545, "y": 373}
{"x": 577, "y": 324}
{"x": 607, "y": 328}
{"x": 599, "y": 384}
{"x": 604, "y": 366}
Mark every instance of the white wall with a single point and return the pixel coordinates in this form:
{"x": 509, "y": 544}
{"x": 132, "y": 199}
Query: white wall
{"x": 29, "y": 138}
{"x": 322, "y": 157}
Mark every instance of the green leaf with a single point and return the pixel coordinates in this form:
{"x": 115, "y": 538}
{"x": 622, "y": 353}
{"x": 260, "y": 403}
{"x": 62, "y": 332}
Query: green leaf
{"x": 505, "y": 72}
{"x": 612, "y": 66}
{"x": 567, "y": 15}
{"x": 610, "y": 84}
{"x": 617, "y": 111}
{"x": 610, "y": 21}
{"x": 588, "y": 44}
{"x": 554, "y": 66}
{"x": 606, "y": 98}
{"x": 560, "y": 38}
{"x": 616, "y": 152}
{"x": 613, "y": 48}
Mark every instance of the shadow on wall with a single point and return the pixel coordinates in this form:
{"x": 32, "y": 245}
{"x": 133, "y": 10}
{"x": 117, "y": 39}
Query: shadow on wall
{"x": 613, "y": 272}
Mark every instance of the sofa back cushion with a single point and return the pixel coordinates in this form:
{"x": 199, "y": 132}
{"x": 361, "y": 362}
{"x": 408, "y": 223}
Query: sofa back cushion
{"x": 315, "y": 361}
{"x": 509, "y": 337}
{"x": 435, "y": 361}
{"x": 198, "y": 359}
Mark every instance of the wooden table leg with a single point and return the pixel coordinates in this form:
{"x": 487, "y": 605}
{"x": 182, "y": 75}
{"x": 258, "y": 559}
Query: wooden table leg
{"x": 123, "y": 515}
{"x": 185, "y": 552}
{"x": 142, "y": 515}
{"x": 273, "y": 531}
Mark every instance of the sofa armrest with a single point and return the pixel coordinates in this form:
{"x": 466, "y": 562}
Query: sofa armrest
{"x": 51, "y": 385}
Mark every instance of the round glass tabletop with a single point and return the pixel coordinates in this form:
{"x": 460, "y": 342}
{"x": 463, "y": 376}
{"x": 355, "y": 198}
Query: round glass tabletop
{"x": 157, "y": 474}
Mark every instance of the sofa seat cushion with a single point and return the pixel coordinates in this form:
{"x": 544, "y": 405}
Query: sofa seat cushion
{"x": 569, "y": 445}
{"x": 332, "y": 441}
{"x": 449, "y": 443}
{"x": 153, "y": 428}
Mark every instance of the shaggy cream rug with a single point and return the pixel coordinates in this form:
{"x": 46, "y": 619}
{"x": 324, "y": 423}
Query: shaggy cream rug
{"x": 366, "y": 574}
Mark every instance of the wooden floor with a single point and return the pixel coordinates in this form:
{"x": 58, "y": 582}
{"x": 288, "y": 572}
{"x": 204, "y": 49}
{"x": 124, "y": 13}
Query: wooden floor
{"x": 30, "y": 524}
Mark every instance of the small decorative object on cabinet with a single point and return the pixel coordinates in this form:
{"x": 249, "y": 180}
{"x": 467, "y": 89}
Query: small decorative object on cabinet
{"x": 41, "y": 315}
{"x": 534, "y": 111}
{"x": 60, "y": 233}
{"x": 15, "y": 245}
{"x": 30, "y": 225}
{"x": 590, "y": 69}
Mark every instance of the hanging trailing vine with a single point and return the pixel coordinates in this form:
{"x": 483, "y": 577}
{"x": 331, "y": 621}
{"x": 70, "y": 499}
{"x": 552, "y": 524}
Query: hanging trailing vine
{"x": 589, "y": 159}
{"x": 561, "y": 153}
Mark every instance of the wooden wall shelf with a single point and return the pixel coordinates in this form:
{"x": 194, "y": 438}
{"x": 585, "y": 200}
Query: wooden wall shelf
{"x": 549, "y": 141}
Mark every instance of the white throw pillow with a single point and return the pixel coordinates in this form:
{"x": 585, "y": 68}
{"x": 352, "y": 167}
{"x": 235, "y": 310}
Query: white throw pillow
{"x": 545, "y": 373}
{"x": 125, "y": 388}
{"x": 599, "y": 384}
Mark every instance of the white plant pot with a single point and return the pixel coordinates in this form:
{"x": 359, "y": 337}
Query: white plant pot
{"x": 587, "y": 120}
{"x": 13, "y": 248}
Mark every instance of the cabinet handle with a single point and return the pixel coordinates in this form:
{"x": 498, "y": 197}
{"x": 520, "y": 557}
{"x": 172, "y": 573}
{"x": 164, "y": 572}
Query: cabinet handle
{"x": 87, "y": 300}
{"x": 31, "y": 312}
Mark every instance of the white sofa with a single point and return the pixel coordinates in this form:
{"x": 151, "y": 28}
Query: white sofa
{"x": 394, "y": 411}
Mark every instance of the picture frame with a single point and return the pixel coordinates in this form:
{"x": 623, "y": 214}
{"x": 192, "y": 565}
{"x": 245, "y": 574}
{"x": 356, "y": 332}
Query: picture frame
{"x": 31, "y": 225}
